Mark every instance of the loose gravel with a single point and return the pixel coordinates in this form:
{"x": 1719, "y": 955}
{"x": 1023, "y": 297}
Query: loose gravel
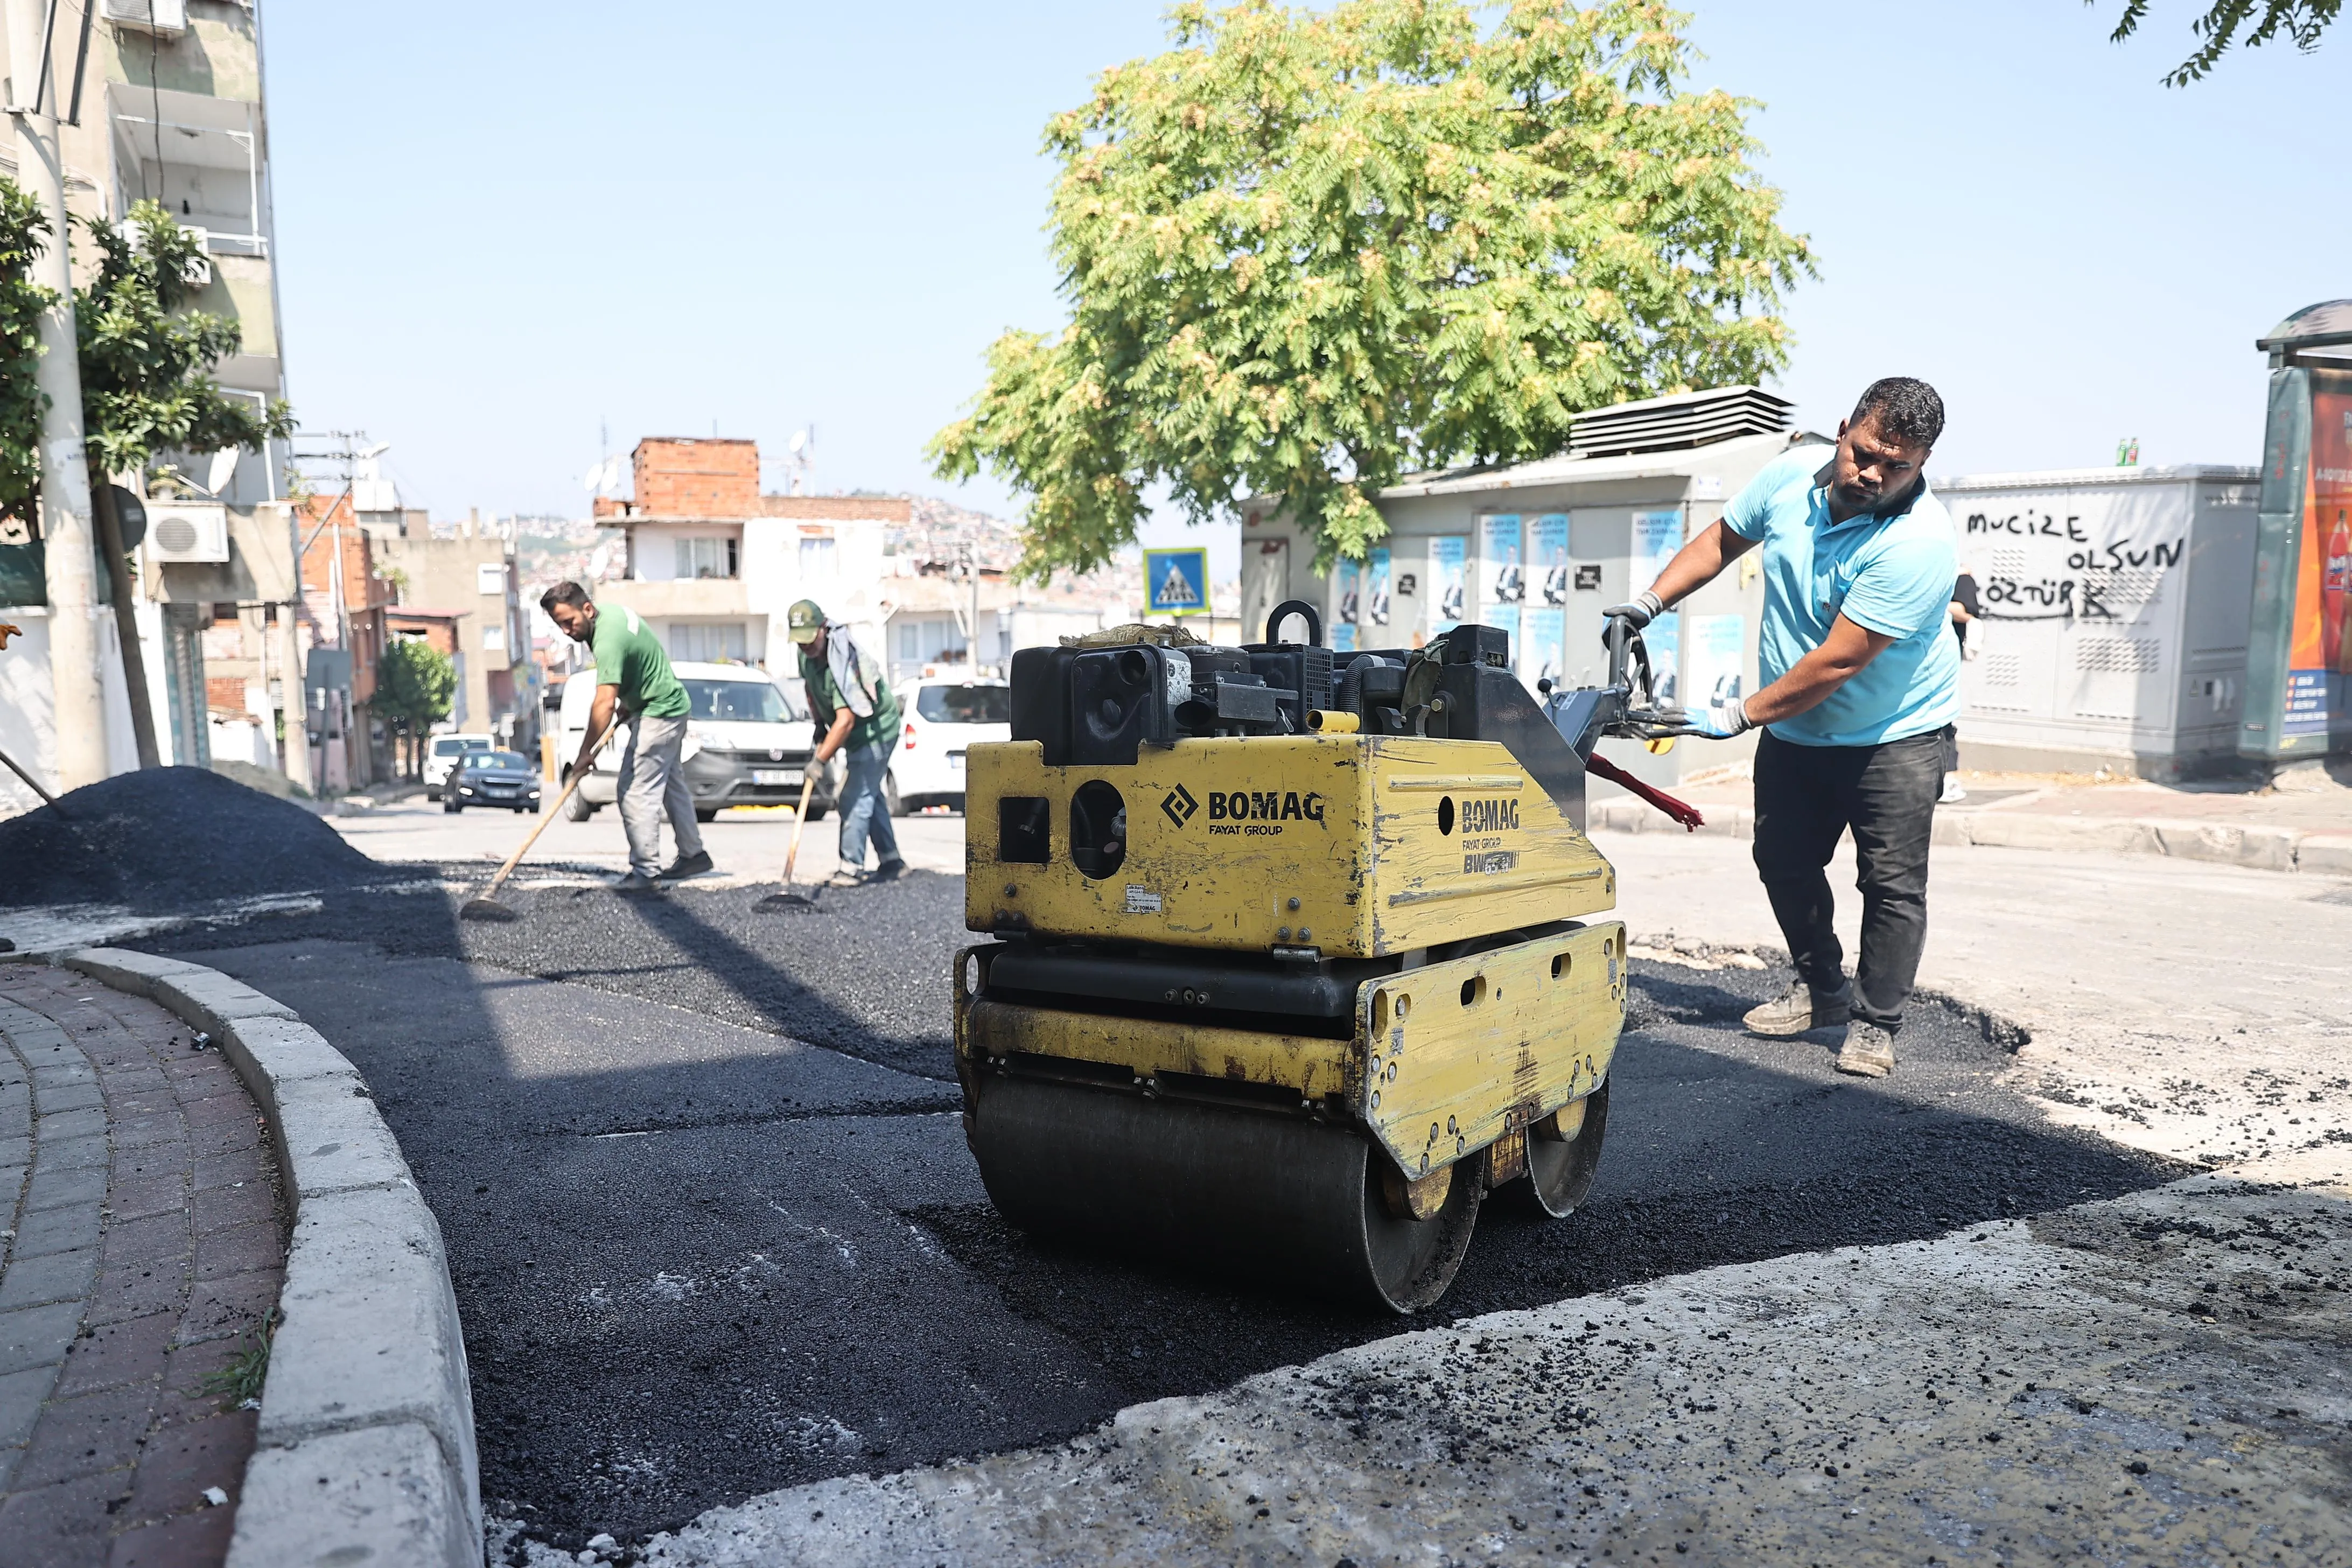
{"x": 165, "y": 838}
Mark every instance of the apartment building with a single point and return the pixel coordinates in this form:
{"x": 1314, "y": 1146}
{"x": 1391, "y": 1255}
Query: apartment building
{"x": 714, "y": 565}
{"x": 171, "y": 108}
{"x": 467, "y": 582}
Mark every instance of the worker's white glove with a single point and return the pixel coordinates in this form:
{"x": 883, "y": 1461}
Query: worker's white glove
{"x": 1646, "y": 607}
{"x": 1721, "y": 719}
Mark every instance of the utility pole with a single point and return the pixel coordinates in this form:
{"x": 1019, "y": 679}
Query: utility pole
{"x": 79, "y": 714}
{"x": 293, "y": 699}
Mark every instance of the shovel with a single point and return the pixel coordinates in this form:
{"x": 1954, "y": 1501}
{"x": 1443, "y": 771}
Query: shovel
{"x": 486, "y": 907}
{"x": 789, "y": 897}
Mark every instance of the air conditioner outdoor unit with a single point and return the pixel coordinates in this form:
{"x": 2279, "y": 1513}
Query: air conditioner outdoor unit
{"x": 187, "y": 531}
{"x": 167, "y": 18}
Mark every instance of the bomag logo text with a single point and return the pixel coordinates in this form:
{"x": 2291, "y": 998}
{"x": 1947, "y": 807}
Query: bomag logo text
{"x": 1265, "y": 805}
{"x": 1490, "y": 815}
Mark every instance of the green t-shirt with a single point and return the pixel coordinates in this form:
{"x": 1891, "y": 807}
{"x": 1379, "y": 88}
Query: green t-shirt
{"x": 825, "y": 697}
{"x": 630, "y": 656}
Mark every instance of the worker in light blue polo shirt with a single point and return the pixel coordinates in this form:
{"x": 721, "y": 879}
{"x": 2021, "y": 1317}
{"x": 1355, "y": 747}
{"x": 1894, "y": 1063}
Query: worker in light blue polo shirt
{"x": 1861, "y": 678}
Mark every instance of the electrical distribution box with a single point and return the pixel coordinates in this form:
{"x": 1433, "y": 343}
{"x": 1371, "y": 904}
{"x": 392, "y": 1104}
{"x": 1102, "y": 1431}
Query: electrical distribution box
{"x": 1538, "y": 550}
{"x": 2114, "y": 616}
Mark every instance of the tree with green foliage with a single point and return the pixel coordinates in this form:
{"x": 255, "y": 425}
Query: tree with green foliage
{"x": 147, "y": 363}
{"x": 23, "y": 232}
{"x": 147, "y": 358}
{"x": 1304, "y": 252}
{"x": 2223, "y": 25}
{"x": 413, "y": 684}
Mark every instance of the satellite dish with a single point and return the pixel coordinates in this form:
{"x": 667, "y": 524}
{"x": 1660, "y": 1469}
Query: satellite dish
{"x": 130, "y": 516}
{"x": 223, "y": 470}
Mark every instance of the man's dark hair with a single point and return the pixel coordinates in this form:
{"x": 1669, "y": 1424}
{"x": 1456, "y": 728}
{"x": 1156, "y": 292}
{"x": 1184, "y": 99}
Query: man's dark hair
{"x": 569, "y": 593}
{"x": 1903, "y": 408}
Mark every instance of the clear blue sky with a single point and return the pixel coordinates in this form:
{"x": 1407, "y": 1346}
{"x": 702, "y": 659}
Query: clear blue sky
{"x": 500, "y": 225}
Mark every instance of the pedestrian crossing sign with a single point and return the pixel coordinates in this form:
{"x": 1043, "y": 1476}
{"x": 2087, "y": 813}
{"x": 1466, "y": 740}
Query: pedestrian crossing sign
{"x": 1176, "y": 582}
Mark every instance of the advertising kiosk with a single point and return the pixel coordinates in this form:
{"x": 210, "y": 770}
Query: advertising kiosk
{"x": 2299, "y": 647}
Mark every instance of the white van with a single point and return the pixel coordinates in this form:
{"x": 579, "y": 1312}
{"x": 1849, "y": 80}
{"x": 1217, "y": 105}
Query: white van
{"x": 945, "y": 713}
{"x": 442, "y": 759}
{"x": 748, "y": 738}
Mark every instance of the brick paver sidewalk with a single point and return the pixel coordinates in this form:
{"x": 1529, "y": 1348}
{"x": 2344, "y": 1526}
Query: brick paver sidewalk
{"x": 146, "y": 1242}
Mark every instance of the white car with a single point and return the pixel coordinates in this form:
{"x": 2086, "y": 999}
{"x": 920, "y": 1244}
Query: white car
{"x": 443, "y": 757}
{"x": 944, "y": 714}
{"x": 748, "y": 738}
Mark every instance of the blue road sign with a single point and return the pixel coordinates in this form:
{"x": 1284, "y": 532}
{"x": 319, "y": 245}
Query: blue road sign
{"x": 1176, "y": 582}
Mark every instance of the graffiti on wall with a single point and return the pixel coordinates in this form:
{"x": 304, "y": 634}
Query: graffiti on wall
{"x": 2056, "y": 569}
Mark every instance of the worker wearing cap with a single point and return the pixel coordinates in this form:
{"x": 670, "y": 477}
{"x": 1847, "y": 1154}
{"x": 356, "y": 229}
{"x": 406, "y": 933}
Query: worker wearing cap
{"x": 635, "y": 685}
{"x": 849, "y": 695}
{"x": 1861, "y": 680}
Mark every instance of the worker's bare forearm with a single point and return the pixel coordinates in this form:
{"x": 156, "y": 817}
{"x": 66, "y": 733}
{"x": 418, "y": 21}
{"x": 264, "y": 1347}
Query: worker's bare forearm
{"x": 1699, "y": 562}
{"x": 1816, "y": 676}
{"x": 1814, "y": 680}
{"x": 600, "y": 722}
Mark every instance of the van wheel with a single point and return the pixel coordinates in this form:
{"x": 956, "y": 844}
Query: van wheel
{"x": 890, "y": 801}
{"x": 706, "y": 813}
{"x": 577, "y": 809}
{"x": 817, "y": 808}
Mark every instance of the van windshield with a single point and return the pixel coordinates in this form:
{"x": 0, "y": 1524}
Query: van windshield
{"x": 450, "y": 745}
{"x": 965, "y": 704}
{"x": 742, "y": 701}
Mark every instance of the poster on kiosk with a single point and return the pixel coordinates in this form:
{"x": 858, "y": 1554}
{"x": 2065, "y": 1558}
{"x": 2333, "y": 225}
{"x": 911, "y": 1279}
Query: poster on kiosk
{"x": 2299, "y": 647}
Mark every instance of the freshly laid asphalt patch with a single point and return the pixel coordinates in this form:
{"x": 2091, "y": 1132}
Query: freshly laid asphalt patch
{"x": 699, "y": 1261}
{"x": 158, "y": 837}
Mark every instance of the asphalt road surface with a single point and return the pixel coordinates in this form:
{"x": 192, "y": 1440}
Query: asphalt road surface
{"x": 715, "y": 1230}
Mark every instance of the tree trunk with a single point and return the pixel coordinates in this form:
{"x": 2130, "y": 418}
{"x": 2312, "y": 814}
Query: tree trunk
{"x": 126, "y": 623}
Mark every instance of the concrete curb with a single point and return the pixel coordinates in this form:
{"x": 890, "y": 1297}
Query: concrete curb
{"x": 366, "y": 1442}
{"x": 2226, "y": 843}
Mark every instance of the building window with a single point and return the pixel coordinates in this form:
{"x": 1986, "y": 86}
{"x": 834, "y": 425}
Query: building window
{"x": 816, "y": 556}
{"x": 927, "y": 641}
{"x": 494, "y": 639}
{"x": 705, "y": 557}
{"x": 707, "y": 642}
{"x": 491, "y": 577}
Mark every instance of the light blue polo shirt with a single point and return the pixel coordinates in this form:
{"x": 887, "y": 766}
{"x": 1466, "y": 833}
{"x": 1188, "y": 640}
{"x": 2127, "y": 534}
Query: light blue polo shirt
{"x": 1891, "y": 574}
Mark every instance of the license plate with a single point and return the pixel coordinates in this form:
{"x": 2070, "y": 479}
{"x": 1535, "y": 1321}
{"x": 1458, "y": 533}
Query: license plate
{"x": 775, "y": 776}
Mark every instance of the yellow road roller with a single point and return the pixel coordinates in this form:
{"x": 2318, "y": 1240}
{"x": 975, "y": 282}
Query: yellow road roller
{"x": 1292, "y": 957}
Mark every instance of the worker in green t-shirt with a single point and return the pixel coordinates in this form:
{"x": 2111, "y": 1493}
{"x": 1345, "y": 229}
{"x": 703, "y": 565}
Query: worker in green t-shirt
{"x": 849, "y": 696}
{"x": 634, "y": 684}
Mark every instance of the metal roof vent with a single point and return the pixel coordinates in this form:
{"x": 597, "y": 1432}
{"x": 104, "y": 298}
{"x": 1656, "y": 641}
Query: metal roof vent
{"x": 1685, "y": 419}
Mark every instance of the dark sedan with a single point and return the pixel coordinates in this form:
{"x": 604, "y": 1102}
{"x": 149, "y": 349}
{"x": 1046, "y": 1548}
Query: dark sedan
{"x": 492, "y": 778}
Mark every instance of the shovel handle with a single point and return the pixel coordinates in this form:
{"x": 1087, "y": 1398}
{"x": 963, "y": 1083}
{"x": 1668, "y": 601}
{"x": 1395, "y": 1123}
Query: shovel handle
{"x": 34, "y": 784}
{"x": 549, "y": 814}
{"x": 800, "y": 818}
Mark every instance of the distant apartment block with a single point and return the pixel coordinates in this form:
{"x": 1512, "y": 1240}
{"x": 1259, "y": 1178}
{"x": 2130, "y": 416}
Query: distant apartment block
{"x": 714, "y": 565}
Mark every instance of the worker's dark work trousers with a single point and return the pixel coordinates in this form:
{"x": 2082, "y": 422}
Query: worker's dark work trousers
{"x": 1805, "y": 797}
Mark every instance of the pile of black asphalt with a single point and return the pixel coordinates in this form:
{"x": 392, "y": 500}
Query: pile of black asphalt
{"x": 161, "y": 838}
{"x": 715, "y": 1229}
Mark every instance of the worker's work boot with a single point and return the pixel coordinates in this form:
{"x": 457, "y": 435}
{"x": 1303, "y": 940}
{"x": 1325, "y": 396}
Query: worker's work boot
{"x": 889, "y": 871}
{"x": 1800, "y": 1008}
{"x": 1868, "y": 1052}
{"x": 637, "y": 885}
{"x": 695, "y": 865}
